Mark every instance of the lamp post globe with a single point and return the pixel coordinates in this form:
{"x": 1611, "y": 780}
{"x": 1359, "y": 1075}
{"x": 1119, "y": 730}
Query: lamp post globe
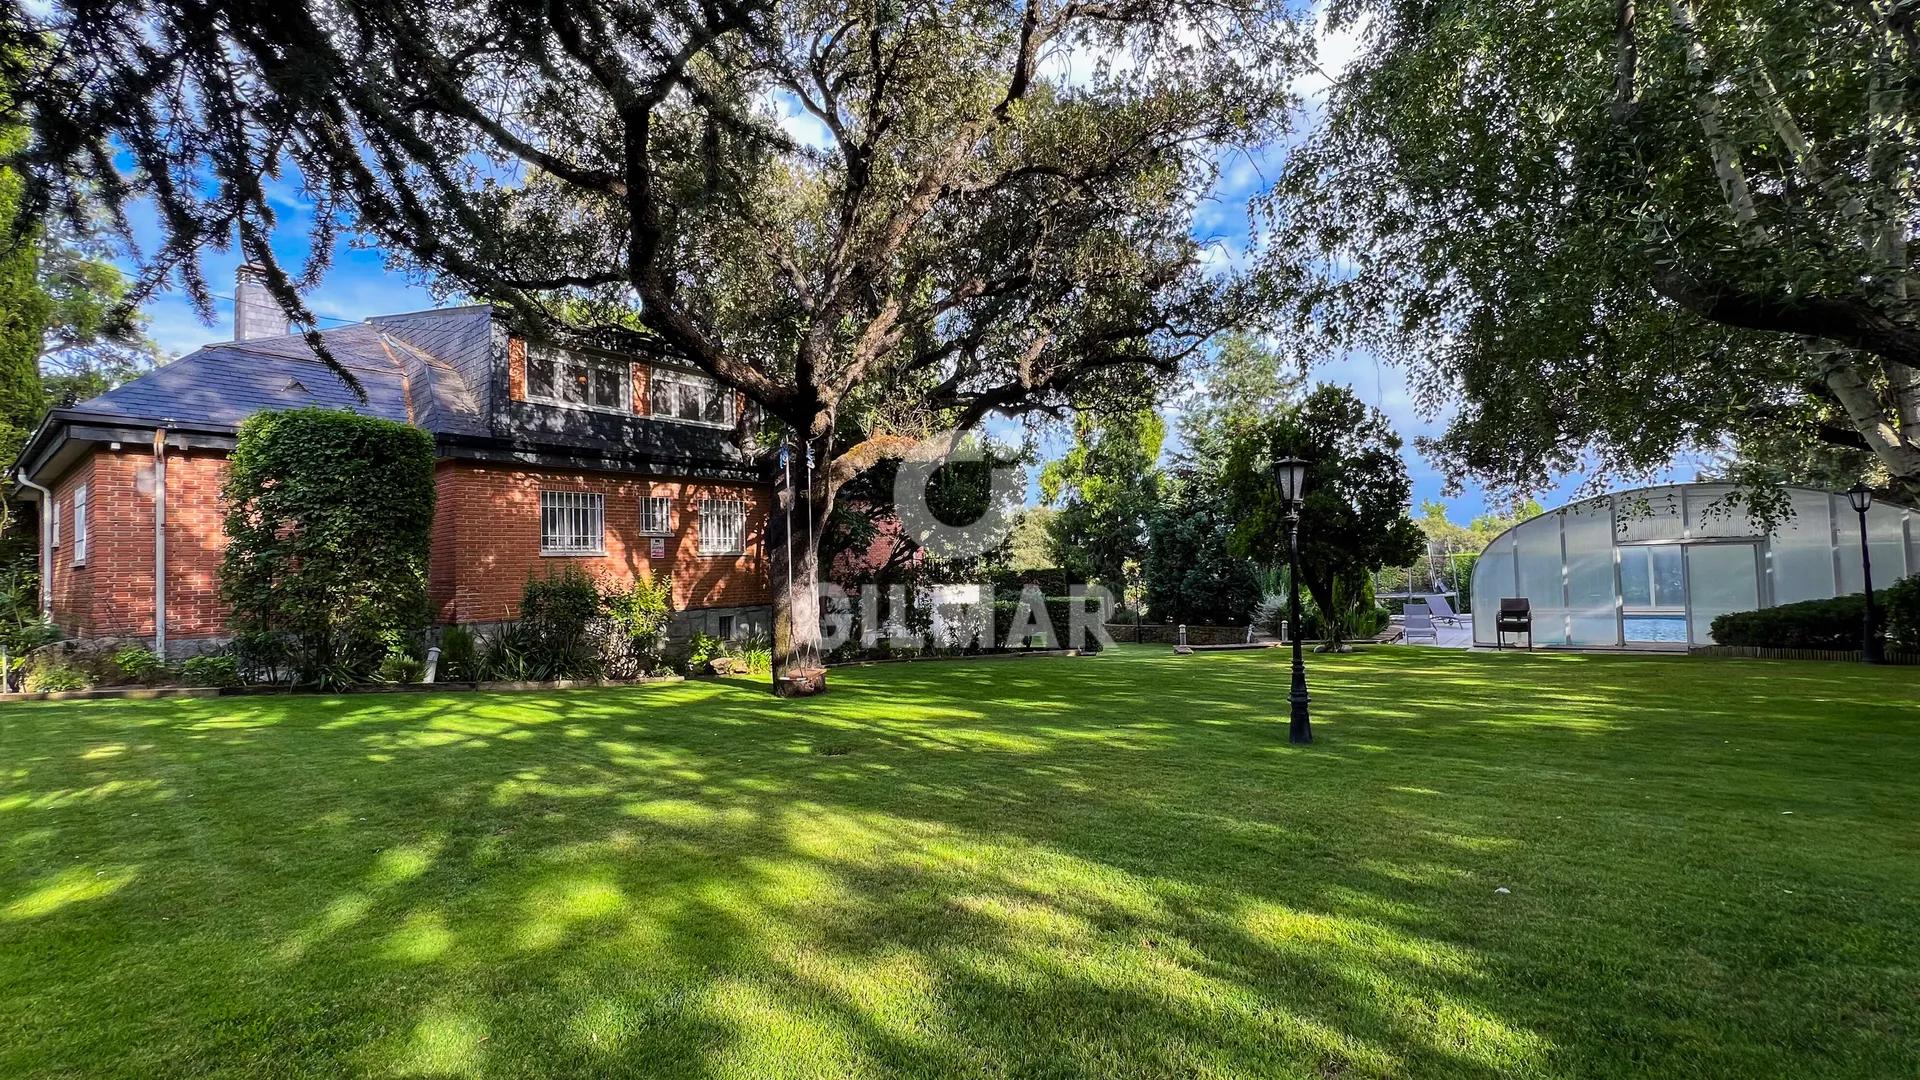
{"x": 1860, "y": 497}
{"x": 1290, "y": 477}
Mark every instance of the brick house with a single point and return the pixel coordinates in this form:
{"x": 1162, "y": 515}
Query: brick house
{"x": 626, "y": 467}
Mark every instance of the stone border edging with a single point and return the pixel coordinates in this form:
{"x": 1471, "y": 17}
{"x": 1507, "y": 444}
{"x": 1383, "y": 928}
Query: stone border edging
{"x": 148, "y": 693}
{"x": 108, "y": 693}
{"x": 454, "y": 687}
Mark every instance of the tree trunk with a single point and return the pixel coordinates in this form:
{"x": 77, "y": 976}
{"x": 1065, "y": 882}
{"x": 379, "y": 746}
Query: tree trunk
{"x": 1323, "y": 599}
{"x": 794, "y": 572}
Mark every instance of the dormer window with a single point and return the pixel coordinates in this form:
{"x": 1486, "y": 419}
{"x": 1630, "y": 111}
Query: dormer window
{"x": 695, "y": 399}
{"x": 561, "y": 377}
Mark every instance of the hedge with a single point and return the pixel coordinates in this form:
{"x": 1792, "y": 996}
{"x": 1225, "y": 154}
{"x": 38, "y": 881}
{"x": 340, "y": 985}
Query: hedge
{"x": 329, "y": 515}
{"x": 1810, "y": 624}
{"x": 1903, "y": 613}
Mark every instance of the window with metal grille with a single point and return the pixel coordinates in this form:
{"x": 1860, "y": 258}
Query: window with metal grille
{"x": 673, "y": 395}
{"x": 559, "y": 377}
{"x": 656, "y": 515}
{"x": 572, "y": 523}
{"x": 80, "y": 525}
{"x": 723, "y": 526}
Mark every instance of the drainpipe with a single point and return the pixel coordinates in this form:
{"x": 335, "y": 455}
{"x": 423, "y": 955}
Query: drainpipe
{"x": 160, "y": 542}
{"x": 46, "y": 550}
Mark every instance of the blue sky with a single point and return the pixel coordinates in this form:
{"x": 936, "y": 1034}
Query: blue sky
{"x": 359, "y": 285}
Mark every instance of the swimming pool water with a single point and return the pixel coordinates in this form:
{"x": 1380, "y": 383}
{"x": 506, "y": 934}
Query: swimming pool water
{"x": 1655, "y": 627}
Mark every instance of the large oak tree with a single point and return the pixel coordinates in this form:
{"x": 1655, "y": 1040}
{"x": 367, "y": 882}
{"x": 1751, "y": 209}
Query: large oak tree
{"x": 995, "y": 215}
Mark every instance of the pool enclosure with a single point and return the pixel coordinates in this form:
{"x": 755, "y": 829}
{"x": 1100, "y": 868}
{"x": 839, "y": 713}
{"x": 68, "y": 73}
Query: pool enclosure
{"x": 1652, "y": 567}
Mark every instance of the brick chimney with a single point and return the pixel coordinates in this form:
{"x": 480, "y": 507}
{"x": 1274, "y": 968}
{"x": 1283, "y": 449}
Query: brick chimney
{"x": 255, "y": 312}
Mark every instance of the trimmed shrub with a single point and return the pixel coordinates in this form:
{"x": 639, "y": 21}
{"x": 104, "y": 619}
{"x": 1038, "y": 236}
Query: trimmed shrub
{"x": 1903, "y": 613}
{"x": 1810, "y": 624}
{"x": 398, "y": 667}
{"x": 329, "y": 514}
{"x": 1006, "y": 609}
{"x": 1051, "y": 581}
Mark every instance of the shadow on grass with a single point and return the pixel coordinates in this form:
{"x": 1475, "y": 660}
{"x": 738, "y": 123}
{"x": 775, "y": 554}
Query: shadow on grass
{"x": 1109, "y": 867}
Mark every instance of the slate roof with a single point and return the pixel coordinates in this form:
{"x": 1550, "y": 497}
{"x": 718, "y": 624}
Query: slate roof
{"x": 432, "y": 369}
{"x": 219, "y": 386}
{"x": 448, "y": 355}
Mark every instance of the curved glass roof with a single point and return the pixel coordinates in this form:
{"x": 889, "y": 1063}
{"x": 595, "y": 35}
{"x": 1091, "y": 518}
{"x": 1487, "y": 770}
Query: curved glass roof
{"x": 1651, "y": 567}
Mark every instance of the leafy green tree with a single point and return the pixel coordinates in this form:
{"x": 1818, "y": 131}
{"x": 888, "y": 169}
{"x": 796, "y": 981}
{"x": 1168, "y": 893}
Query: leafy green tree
{"x": 1789, "y": 454}
{"x": 961, "y": 493}
{"x": 1611, "y": 232}
{"x": 1029, "y": 548}
{"x": 95, "y": 336}
{"x": 1353, "y": 514}
{"x": 1243, "y": 380}
{"x": 1447, "y": 537}
{"x": 1191, "y": 572}
{"x": 1102, "y": 492}
{"x": 963, "y": 227}
{"x": 25, "y": 309}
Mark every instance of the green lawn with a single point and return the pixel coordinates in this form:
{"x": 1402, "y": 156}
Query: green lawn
{"x": 1112, "y": 866}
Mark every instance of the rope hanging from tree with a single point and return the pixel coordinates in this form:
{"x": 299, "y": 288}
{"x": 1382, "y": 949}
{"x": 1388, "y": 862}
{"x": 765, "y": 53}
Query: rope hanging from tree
{"x": 802, "y": 660}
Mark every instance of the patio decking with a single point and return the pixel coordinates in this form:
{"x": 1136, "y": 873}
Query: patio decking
{"x": 1448, "y": 637}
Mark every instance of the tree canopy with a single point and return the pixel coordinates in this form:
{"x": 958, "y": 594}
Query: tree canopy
{"x": 1103, "y": 491}
{"x": 995, "y": 214}
{"x": 25, "y": 309}
{"x": 1610, "y": 232}
{"x": 1448, "y": 537}
{"x": 1191, "y": 574}
{"x": 1353, "y": 512}
{"x": 67, "y": 329}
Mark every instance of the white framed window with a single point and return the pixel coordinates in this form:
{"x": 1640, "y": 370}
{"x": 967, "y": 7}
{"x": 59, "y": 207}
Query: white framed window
{"x": 80, "y": 525}
{"x": 572, "y": 523}
{"x": 723, "y": 526}
{"x": 656, "y": 515}
{"x": 562, "y": 377}
{"x": 54, "y": 509}
{"x": 692, "y": 399}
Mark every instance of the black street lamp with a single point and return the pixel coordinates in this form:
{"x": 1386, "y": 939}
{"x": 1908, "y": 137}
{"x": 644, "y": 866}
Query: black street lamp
{"x": 1860, "y": 496}
{"x": 1290, "y": 476}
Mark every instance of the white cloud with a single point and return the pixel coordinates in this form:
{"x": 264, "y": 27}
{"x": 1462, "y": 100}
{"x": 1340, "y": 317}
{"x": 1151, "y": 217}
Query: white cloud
{"x": 804, "y": 127}
{"x": 1079, "y": 64}
{"x": 1335, "y": 51}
